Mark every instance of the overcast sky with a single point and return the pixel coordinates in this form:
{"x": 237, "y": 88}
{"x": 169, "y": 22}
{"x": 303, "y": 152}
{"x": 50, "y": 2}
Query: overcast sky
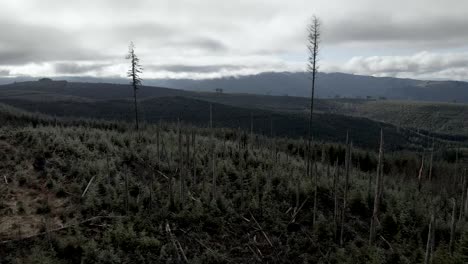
{"x": 425, "y": 39}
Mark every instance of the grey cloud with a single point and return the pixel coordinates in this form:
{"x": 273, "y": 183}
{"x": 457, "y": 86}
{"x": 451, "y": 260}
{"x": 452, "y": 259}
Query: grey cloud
{"x": 76, "y": 68}
{"x": 142, "y": 30}
{"x": 208, "y": 35}
{"x": 420, "y": 65}
{"x": 433, "y": 32}
{"x": 203, "y": 43}
{"x": 26, "y": 43}
{"x": 209, "y": 43}
{"x": 178, "y": 68}
{"x": 4, "y": 73}
{"x": 158, "y": 35}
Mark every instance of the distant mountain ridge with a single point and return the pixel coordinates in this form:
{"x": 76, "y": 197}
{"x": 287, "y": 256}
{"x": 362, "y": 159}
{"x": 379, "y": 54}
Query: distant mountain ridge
{"x": 330, "y": 85}
{"x": 298, "y": 84}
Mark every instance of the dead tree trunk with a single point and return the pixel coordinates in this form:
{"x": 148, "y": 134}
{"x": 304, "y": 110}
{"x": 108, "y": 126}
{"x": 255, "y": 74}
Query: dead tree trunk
{"x": 194, "y": 162}
{"x": 313, "y": 39}
{"x": 452, "y": 226}
{"x": 335, "y": 194}
{"x": 345, "y": 196}
{"x": 431, "y": 259}
{"x": 87, "y": 187}
{"x": 369, "y": 186}
{"x": 187, "y": 161}
{"x": 329, "y": 179}
{"x": 212, "y": 155}
{"x": 457, "y": 174}
{"x": 127, "y": 201}
{"x": 431, "y": 161}
{"x": 427, "y": 255}
{"x": 180, "y": 165}
{"x": 244, "y": 165}
{"x": 378, "y": 192}
{"x": 170, "y": 182}
{"x": 298, "y": 186}
{"x": 239, "y": 140}
{"x": 150, "y": 207}
{"x": 134, "y": 74}
{"x": 108, "y": 168}
{"x": 466, "y": 203}
{"x": 315, "y": 193}
{"x": 251, "y": 130}
{"x": 464, "y": 193}
{"x": 158, "y": 145}
{"x": 421, "y": 169}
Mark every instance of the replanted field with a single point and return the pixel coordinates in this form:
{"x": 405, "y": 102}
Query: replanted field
{"x": 96, "y": 192}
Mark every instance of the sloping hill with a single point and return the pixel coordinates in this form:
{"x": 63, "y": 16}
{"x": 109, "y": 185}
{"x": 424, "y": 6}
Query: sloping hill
{"x": 448, "y": 118}
{"x": 174, "y": 194}
{"x": 63, "y": 90}
{"x": 328, "y": 127}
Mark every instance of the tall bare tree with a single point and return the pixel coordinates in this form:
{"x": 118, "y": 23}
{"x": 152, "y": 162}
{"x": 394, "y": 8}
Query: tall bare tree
{"x": 134, "y": 74}
{"x": 313, "y": 40}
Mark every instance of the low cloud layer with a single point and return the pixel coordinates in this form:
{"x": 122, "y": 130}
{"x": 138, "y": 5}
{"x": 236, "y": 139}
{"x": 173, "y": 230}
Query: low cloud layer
{"x": 435, "y": 32}
{"x": 73, "y": 68}
{"x": 209, "y": 38}
{"x": 177, "y": 68}
{"x": 423, "y": 65}
{"x": 4, "y": 73}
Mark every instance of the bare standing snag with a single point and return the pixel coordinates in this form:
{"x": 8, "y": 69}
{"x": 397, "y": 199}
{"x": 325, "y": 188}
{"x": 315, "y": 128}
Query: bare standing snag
{"x": 134, "y": 74}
